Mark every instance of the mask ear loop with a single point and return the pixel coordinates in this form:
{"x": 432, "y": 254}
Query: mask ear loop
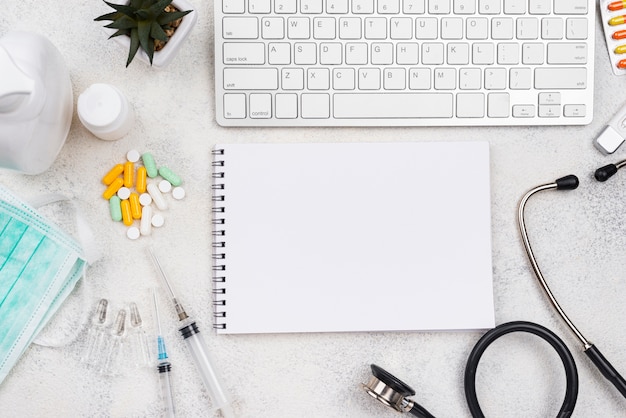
{"x": 90, "y": 254}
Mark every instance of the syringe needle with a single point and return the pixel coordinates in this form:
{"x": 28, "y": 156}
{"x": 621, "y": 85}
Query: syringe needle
{"x": 198, "y": 348}
{"x": 177, "y": 305}
{"x": 164, "y": 367}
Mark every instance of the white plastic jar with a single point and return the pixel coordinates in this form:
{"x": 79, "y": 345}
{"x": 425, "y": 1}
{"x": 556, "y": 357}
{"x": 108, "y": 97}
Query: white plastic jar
{"x": 105, "y": 111}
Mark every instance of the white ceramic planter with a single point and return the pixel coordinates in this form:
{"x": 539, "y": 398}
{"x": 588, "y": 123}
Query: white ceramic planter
{"x": 166, "y": 55}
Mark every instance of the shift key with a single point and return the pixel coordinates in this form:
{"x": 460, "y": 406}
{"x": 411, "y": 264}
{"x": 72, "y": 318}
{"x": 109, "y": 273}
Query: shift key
{"x": 250, "y": 78}
{"x": 560, "y": 78}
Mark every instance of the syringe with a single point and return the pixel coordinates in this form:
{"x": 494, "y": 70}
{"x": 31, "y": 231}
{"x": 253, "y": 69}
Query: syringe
{"x": 164, "y": 367}
{"x": 197, "y": 347}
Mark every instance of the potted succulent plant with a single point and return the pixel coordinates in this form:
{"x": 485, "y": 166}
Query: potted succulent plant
{"x": 155, "y": 29}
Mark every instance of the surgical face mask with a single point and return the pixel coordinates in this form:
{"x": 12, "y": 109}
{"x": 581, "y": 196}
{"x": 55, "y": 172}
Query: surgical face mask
{"x": 39, "y": 266}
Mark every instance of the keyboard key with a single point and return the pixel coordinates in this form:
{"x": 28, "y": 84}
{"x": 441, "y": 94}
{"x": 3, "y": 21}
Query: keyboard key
{"x": 305, "y": 53}
{"x": 419, "y": 79}
{"x": 260, "y": 106}
{"x": 259, "y": 6}
{"x": 350, "y": 28}
{"x": 574, "y": 111}
{"x": 495, "y": 78}
{"x": 462, "y": 7}
{"x": 363, "y": 6}
{"x": 298, "y": 28}
{"x": 426, "y": 28}
{"x": 394, "y": 79}
{"x": 388, "y": 6}
{"x": 520, "y": 79}
{"x": 549, "y": 111}
{"x": 233, "y": 6}
{"x": 470, "y": 105}
{"x": 286, "y": 106}
{"x": 515, "y": 7}
{"x": 292, "y": 79}
{"x": 245, "y": 53}
{"x": 343, "y": 79}
{"x": 273, "y": 27}
{"x": 540, "y": 7}
{"x": 324, "y": 28}
{"x": 407, "y": 53}
{"x": 240, "y": 27}
{"x": 310, "y": 6}
{"x": 560, "y": 78}
{"x": 235, "y": 106}
{"x": 470, "y": 78}
{"x": 523, "y": 111}
{"x": 356, "y": 53}
{"x": 489, "y": 7}
{"x": 527, "y": 28}
{"x": 477, "y": 28}
{"x": 315, "y": 106}
{"x": 482, "y": 53}
{"x": 375, "y": 28}
{"x": 382, "y": 54}
{"x": 250, "y": 78}
{"x": 432, "y": 54}
{"x": 532, "y": 53}
{"x": 284, "y": 6}
{"x": 438, "y": 6}
{"x": 498, "y": 105}
{"x": 279, "y": 53}
{"x": 552, "y": 28}
{"x": 445, "y": 78}
{"x": 567, "y": 53}
{"x": 330, "y": 54}
{"x": 570, "y": 7}
{"x": 401, "y": 28}
{"x": 337, "y": 6}
{"x": 576, "y": 28}
{"x": 369, "y": 78}
{"x": 413, "y": 7}
{"x": 393, "y": 105}
{"x": 318, "y": 78}
{"x": 451, "y": 28}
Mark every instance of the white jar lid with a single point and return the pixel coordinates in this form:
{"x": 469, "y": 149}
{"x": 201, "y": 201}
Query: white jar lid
{"x": 99, "y": 106}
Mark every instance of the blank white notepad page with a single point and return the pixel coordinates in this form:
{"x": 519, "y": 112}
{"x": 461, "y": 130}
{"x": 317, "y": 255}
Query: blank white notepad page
{"x": 354, "y": 237}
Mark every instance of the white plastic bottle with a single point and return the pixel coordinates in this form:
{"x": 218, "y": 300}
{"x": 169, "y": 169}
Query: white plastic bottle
{"x": 36, "y": 102}
{"x": 105, "y": 111}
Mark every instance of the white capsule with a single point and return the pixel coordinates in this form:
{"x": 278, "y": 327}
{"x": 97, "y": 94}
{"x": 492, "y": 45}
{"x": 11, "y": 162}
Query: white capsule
{"x": 145, "y": 227}
{"x": 178, "y": 193}
{"x": 132, "y": 232}
{"x": 158, "y": 221}
{"x": 145, "y": 199}
{"x": 165, "y": 186}
{"x": 157, "y": 197}
{"x": 123, "y": 193}
{"x": 133, "y": 155}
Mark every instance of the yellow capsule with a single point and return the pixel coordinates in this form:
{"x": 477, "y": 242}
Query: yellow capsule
{"x": 113, "y": 174}
{"x": 620, "y": 49}
{"x": 141, "y": 180}
{"x": 113, "y": 188}
{"x": 617, "y": 20}
{"x": 135, "y": 206}
{"x": 127, "y": 216}
{"x": 129, "y": 174}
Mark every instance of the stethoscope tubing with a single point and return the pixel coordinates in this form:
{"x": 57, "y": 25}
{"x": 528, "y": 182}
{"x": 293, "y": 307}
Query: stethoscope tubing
{"x": 533, "y": 261}
{"x": 568, "y": 183}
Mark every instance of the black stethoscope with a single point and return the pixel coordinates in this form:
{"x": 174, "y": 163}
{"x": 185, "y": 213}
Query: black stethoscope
{"x": 394, "y": 393}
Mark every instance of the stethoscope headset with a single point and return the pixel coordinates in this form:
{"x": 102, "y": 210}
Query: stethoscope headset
{"x": 394, "y": 393}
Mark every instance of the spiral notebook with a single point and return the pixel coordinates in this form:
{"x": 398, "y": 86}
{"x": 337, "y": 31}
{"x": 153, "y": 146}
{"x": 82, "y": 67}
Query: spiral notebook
{"x": 336, "y": 237}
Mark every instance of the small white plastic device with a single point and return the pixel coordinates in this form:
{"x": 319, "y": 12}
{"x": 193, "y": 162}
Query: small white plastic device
{"x": 612, "y": 137}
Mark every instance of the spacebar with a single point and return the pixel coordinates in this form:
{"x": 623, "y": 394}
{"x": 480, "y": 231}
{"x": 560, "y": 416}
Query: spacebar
{"x": 392, "y": 105}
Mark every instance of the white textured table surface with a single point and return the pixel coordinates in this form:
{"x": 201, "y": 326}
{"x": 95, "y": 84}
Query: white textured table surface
{"x": 578, "y": 236}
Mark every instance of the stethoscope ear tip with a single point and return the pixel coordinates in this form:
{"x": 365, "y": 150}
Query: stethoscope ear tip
{"x": 569, "y": 182}
{"x": 602, "y": 174}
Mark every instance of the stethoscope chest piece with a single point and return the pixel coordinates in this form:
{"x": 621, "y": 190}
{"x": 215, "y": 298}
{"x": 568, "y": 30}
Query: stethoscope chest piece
{"x": 389, "y": 390}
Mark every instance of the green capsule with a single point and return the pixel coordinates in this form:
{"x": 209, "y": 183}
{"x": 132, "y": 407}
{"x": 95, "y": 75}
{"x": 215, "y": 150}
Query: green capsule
{"x": 170, "y": 176}
{"x": 115, "y": 208}
{"x": 151, "y": 167}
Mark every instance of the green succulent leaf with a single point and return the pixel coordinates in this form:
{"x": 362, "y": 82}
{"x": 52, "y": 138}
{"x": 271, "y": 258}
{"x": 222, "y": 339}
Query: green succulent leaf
{"x": 159, "y": 7}
{"x": 144, "y": 21}
{"x": 166, "y": 18}
{"x": 144, "y": 38}
{"x": 134, "y": 45}
{"x": 123, "y": 23}
{"x": 157, "y": 32}
{"x": 127, "y": 10}
{"x": 109, "y": 16}
{"x": 120, "y": 32}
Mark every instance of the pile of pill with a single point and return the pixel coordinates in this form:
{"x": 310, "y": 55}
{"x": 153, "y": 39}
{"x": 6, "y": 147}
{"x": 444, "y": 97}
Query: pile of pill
{"x": 131, "y": 192}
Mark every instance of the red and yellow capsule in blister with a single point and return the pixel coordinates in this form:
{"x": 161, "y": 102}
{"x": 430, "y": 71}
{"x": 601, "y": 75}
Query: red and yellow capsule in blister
{"x": 620, "y": 49}
{"x": 617, "y": 5}
{"x": 617, "y": 20}
{"x": 620, "y": 34}
{"x": 621, "y": 64}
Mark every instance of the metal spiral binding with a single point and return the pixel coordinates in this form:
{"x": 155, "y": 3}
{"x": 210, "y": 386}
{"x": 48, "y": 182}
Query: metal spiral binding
{"x": 219, "y": 240}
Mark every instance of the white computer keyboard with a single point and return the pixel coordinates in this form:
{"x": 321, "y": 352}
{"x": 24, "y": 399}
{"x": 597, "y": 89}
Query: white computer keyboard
{"x": 404, "y": 62}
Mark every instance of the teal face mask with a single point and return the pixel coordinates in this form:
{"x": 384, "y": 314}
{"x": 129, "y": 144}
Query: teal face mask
{"x": 39, "y": 266}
